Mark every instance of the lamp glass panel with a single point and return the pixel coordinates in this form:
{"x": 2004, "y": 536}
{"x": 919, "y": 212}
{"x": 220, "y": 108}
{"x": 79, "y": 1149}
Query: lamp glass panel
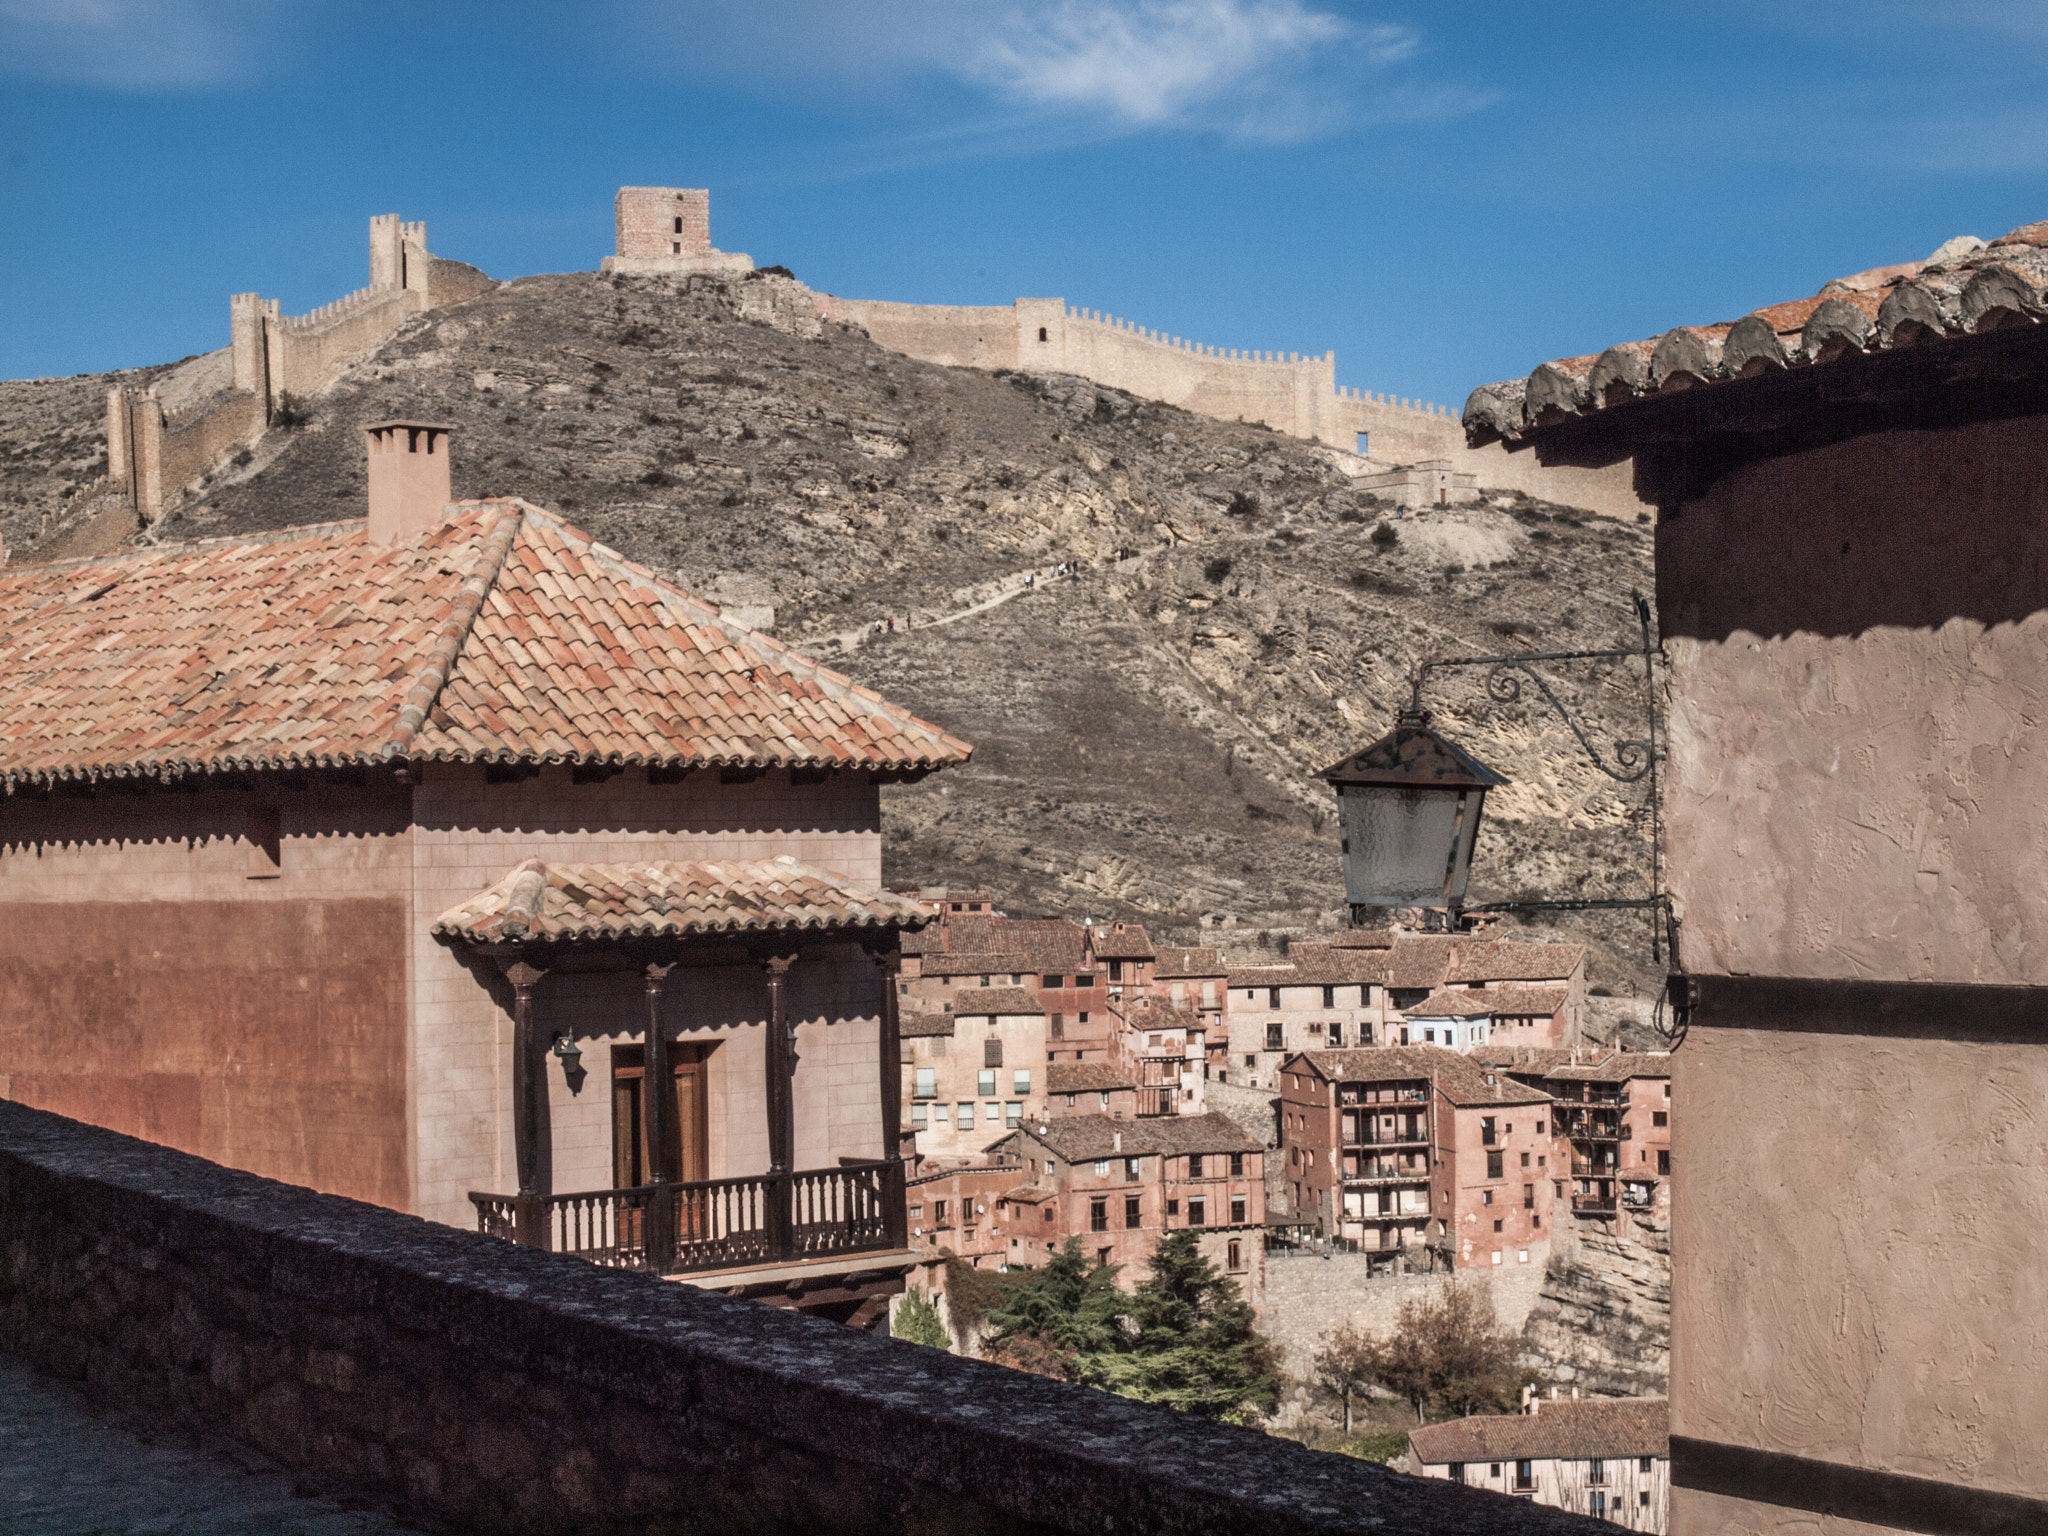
{"x": 1399, "y": 844}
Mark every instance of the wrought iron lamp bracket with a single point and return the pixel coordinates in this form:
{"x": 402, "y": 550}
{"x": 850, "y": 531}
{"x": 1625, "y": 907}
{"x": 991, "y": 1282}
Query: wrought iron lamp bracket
{"x": 1634, "y": 759}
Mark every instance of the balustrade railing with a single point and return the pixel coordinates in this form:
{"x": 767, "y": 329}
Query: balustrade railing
{"x": 712, "y": 1223}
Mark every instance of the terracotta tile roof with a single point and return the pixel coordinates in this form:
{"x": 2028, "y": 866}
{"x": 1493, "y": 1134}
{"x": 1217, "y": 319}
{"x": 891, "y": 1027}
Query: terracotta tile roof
{"x": 1122, "y": 941}
{"x": 1189, "y": 964}
{"x": 1620, "y": 1067}
{"x": 1027, "y": 1194}
{"x": 1421, "y": 960}
{"x": 1458, "y": 1078}
{"x": 1363, "y": 938}
{"x": 1149, "y": 1013}
{"x": 1327, "y": 965}
{"x": 503, "y": 635}
{"x": 1526, "y": 1002}
{"x": 1552, "y": 1062}
{"x": 1086, "y": 1077}
{"x": 1578, "y": 1430}
{"x": 1092, "y": 1138}
{"x": 1281, "y": 975}
{"x": 547, "y": 901}
{"x": 1509, "y": 1001}
{"x": 911, "y": 1025}
{"x": 1053, "y": 943}
{"x": 978, "y": 963}
{"x": 1512, "y": 960}
{"x": 973, "y": 1002}
{"x": 1452, "y": 1003}
{"x": 1965, "y": 288}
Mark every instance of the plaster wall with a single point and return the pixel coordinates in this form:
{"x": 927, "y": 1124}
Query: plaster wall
{"x": 1886, "y": 1306}
{"x": 1463, "y": 1187}
{"x": 150, "y": 985}
{"x": 468, "y": 833}
{"x": 956, "y": 1062}
{"x": 1858, "y": 781}
{"x": 1858, "y": 789}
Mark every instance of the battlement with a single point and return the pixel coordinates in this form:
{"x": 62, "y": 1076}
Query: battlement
{"x": 164, "y": 443}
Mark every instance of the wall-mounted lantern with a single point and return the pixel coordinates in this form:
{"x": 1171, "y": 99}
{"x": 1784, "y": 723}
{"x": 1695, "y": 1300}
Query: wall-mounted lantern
{"x": 1408, "y": 809}
{"x": 1409, "y": 804}
{"x": 571, "y": 1058}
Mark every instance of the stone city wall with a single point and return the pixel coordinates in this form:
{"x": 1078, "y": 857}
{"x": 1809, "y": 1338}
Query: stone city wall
{"x": 1289, "y": 392}
{"x": 1311, "y": 1295}
{"x": 454, "y": 1377}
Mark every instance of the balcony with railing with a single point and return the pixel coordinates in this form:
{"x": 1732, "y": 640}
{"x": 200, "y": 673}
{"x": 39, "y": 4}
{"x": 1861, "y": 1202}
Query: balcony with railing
{"x": 1379, "y": 1170}
{"x": 713, "y": 1224}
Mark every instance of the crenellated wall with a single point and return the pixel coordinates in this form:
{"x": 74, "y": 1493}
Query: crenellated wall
{"x": 1286, "y": 391}
{"x": 161, "y": 444}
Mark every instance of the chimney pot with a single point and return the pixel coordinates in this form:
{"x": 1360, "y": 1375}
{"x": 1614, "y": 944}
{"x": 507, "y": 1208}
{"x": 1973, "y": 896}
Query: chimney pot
{"x": 409, "y": 482}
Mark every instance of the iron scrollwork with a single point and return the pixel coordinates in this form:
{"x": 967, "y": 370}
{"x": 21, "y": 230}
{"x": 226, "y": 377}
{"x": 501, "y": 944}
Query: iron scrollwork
{"x": 1634, "y": 759}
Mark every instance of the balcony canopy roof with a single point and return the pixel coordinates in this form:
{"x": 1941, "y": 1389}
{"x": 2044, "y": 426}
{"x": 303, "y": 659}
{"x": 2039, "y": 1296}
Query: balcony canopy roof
{"x": 554, "y": 903}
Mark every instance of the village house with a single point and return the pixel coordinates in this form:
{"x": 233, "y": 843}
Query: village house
{"x": 955, "y": 1207}
{"x": 1127, "y": 958}
{"x": 973, "y": 1074}
{"x": 1162, "y": 1046}
{"x": 1852, "y": 597}
{"x": 1196, "y": 979}
{"x": 1120, "y": 1186}
{"x": 1611, "y": 1158}
{"x": 1090, "y": 1088}
{"x": 1381, "y": 987}
{"x": 1609, "y": 1458}
{"x": 1417, "y": 1147}
{"x": 1049, "y": 957}
{"x": 447, "y": 860}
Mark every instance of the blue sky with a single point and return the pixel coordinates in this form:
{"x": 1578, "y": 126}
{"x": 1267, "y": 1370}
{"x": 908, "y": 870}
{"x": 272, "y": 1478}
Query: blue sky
{"x": 1445, "y": 194}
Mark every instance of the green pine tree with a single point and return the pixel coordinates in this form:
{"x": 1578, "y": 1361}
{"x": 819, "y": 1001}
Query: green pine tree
{"x": 917, "y": 1321}
{"x": 1187, "y": 1341}
{"x": 1054, "y": 1317}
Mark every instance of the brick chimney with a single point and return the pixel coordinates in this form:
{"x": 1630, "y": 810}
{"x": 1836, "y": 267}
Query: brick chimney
{"x": 409, "y": 486}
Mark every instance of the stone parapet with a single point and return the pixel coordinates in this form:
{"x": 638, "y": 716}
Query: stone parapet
{"x": 463, "y": 1379}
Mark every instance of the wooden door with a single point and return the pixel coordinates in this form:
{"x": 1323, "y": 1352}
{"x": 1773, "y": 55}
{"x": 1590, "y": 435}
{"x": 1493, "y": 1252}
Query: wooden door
{"x": 687, "y": 1158}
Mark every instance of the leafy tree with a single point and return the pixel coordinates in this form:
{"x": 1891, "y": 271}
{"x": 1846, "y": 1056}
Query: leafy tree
{"x": 1449, "y": 1351}
{"x": 1054, "y": 1316}
{"x": 1346, "y": 1365}
{"x": 917, "y": 1321}
{"x": 1187, "y": 1341}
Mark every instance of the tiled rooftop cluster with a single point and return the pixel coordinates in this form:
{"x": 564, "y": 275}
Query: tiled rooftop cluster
{"x": 502, "y": 636}
{"x": 1616, "y": 1427}
{"x": 1967, "y": 287}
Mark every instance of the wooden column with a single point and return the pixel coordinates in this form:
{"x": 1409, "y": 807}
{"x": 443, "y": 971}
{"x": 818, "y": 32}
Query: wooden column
{"x": 657, "y": 1104}
{"x": 895, "y": 1207}
{"x": 529, "y": 1106}
{"x": 781, "y": 1069}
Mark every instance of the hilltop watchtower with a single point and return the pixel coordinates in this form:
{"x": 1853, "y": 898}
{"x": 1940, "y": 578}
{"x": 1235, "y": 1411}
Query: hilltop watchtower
{"x": 666, "y": 230}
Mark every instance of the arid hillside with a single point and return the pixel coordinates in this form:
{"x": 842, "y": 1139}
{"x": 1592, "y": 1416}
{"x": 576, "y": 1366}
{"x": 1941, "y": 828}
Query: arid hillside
{"x": 1148, "y": 727}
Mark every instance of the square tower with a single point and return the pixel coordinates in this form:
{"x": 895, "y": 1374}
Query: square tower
{"x": 662, "y": 221}
{"x": 667, "y": 229}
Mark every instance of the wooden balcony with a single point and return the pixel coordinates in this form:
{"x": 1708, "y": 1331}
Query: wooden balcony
{"x": 671, "y": 1229}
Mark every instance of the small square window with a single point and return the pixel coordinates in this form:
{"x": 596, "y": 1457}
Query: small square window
{"x": 1173, "y": 1207}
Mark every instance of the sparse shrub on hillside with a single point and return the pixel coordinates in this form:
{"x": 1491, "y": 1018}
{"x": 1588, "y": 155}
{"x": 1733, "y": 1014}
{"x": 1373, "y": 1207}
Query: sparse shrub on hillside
{"x": 1385, "y": 537}
{"x": 1351, "y": 515}
{"x": 748, "y": 434}
{"x": 242, "y": 456}
{"x": 1511, "y": 627}
{"x": 1453, "y": 571}
{"x": 1243, "y": 504}
{"x": 1217, "y": 569}
{"x": 657, "y": 477}
{"x": 289, "y": 411}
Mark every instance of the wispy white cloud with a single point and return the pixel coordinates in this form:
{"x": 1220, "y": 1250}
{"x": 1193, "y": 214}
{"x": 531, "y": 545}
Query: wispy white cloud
{"x": 1161, "y": 61}
{"x": 136, "y": 45}
{"x": 1249, "y": 69}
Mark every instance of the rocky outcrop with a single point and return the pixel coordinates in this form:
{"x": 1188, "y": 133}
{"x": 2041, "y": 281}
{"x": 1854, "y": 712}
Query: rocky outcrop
{"x": 1602, "y": 1324}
